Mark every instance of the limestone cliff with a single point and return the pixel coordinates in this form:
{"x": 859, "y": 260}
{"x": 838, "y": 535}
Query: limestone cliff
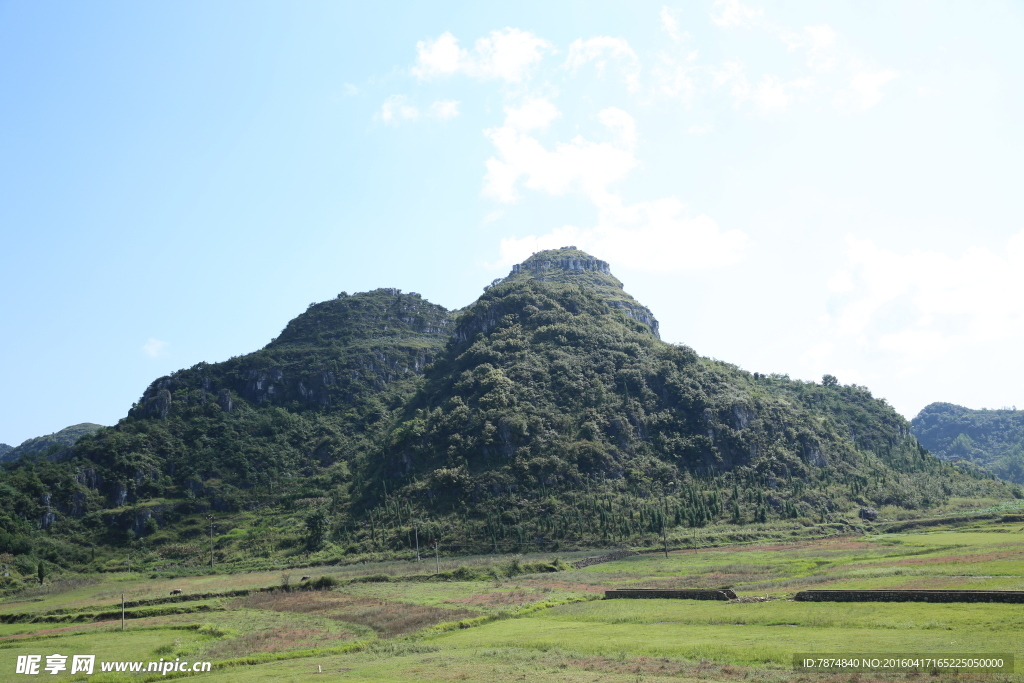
{"x": 573, "y": 266}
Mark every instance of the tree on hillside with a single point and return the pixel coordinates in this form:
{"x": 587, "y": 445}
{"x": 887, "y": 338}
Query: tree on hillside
{"x": 318, "y": 524}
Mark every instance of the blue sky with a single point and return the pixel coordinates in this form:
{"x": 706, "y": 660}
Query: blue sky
{"x": 794, "y": 187}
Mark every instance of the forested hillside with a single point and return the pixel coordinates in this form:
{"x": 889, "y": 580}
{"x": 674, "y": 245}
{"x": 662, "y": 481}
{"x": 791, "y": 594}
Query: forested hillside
{"x": 548, "y": 412}
{"x": 991, "y": 439}
{"x": 49, "y": 444}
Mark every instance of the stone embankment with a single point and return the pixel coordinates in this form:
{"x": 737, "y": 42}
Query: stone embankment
{"x": 910, "y": 596}
{"x": 598, "y": 559}
{"x": 684, "y": 594}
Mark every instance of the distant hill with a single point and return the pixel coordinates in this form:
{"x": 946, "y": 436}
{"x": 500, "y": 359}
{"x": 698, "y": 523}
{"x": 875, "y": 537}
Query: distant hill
{"x": 49, "y": 443}
{"x": 547, "y": 412}
{"x": 990, "y": 439}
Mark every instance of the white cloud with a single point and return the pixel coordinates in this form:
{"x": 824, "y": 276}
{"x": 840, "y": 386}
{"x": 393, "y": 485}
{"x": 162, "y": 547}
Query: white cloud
{"x": 397, "y": 108}
{"x": 820, "y": 55}
{"x": 154, "y": 348}
{"x": 820, "y": 42}
{"x": 603, "y": 50}
{"x": 865, "y": 89}
{"x": 770, "y": 95}
{"x": 581, "y": 164}
{"x": 677, "y": 77}
{"x": 841, "y": 282}
{"x": 444, "y": 109}
{"x": 508, "y": 55}
{"x": 735, "y": 13}
{"x": 657, "y": 236}
{"x": 534, "y": 113}
{"x": 493, "y": 216}
{"x": 700, "y": 130}
{"x": 670, "y": 24}
{"x": 924, "y": 304}
{"x": 733, "y": 73}
{"x": 439, "y": 57}
{"x": 620, "y": 123}
{"x": 838, "y": 73}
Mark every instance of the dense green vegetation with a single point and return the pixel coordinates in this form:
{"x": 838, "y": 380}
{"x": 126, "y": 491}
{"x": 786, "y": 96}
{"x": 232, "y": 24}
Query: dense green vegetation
{"x": 547, "y": 414}
{"x": 536, "y": 618}
{"x": 991, "y": 439}
{"x": 50, "y": 444}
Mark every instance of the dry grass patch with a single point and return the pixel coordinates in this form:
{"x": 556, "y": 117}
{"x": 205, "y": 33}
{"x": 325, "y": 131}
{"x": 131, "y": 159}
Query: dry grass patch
{"x": 54, "y": 631}
{"x": 993, "y": 556}
{"x": 386, "y": 618}
{"x": 517, "y": 596}
{"x": 277, "y": 639}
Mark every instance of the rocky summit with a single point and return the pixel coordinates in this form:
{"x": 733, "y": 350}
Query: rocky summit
{"x": 571, "y": 266}
{"x": 546, "y": 413}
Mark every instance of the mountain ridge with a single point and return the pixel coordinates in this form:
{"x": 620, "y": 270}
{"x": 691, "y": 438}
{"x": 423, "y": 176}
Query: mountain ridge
{"x": 378, "y": 418}
{"x": 39, "y": 445}
{"x": 992, "y": 440}
{"x": 570, "y": 265}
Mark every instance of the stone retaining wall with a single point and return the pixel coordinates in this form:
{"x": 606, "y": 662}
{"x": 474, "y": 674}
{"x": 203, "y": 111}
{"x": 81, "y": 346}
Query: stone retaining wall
{"x": 910, "y": 596}
{"x": 685, "y": 594}
{"x": 610, "y": 557}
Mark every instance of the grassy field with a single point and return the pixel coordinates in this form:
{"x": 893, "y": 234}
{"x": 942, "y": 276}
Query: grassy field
{"x": 392, "y": 622}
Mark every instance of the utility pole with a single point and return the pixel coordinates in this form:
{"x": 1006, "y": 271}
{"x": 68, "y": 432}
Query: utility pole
{"x": 437, "y": 558}
{"x": 210, "y": 517}
{"x": 416, "y": 531}
{"x": 122, "y": 611}
{"x": 664, "y": 534}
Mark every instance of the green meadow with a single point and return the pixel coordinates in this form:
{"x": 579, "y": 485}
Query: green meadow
{"x": 535, "y": 618}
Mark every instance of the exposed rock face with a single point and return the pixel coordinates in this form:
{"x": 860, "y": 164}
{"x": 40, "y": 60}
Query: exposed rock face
{"x": 639, "y": 313}
{"x": 78, "y": 504}
{"x": 48, "y": 517}
{"x": 120, "y": 496}
{"x": 568, "y": 263}
{"x": 88, "y": 478}
{"x": 224, "y": 400}
{"x": 572, "y": 266}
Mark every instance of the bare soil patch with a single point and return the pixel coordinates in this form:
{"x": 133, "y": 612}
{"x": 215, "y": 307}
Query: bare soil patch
{"x": 387, "y": 619}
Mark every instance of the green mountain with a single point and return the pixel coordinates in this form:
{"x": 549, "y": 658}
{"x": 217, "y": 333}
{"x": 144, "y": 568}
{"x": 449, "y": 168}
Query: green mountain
{"x": 569, "y": 265}
{"x": 51, "y": 444}
{"x": 546, "y": 413}
{"x": 991, "y": 439}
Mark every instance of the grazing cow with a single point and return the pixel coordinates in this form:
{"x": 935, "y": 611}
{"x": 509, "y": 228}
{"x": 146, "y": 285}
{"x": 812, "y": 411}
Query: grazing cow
{"x": 176, "y": 591}
{"x": 306, "y": 578}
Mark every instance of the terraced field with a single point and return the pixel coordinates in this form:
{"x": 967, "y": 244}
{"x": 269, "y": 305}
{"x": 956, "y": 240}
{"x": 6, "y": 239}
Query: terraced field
{"x": 485, "y": 619}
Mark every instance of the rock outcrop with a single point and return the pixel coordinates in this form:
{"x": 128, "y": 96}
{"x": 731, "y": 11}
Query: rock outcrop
{"x": 572, "y": 266}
